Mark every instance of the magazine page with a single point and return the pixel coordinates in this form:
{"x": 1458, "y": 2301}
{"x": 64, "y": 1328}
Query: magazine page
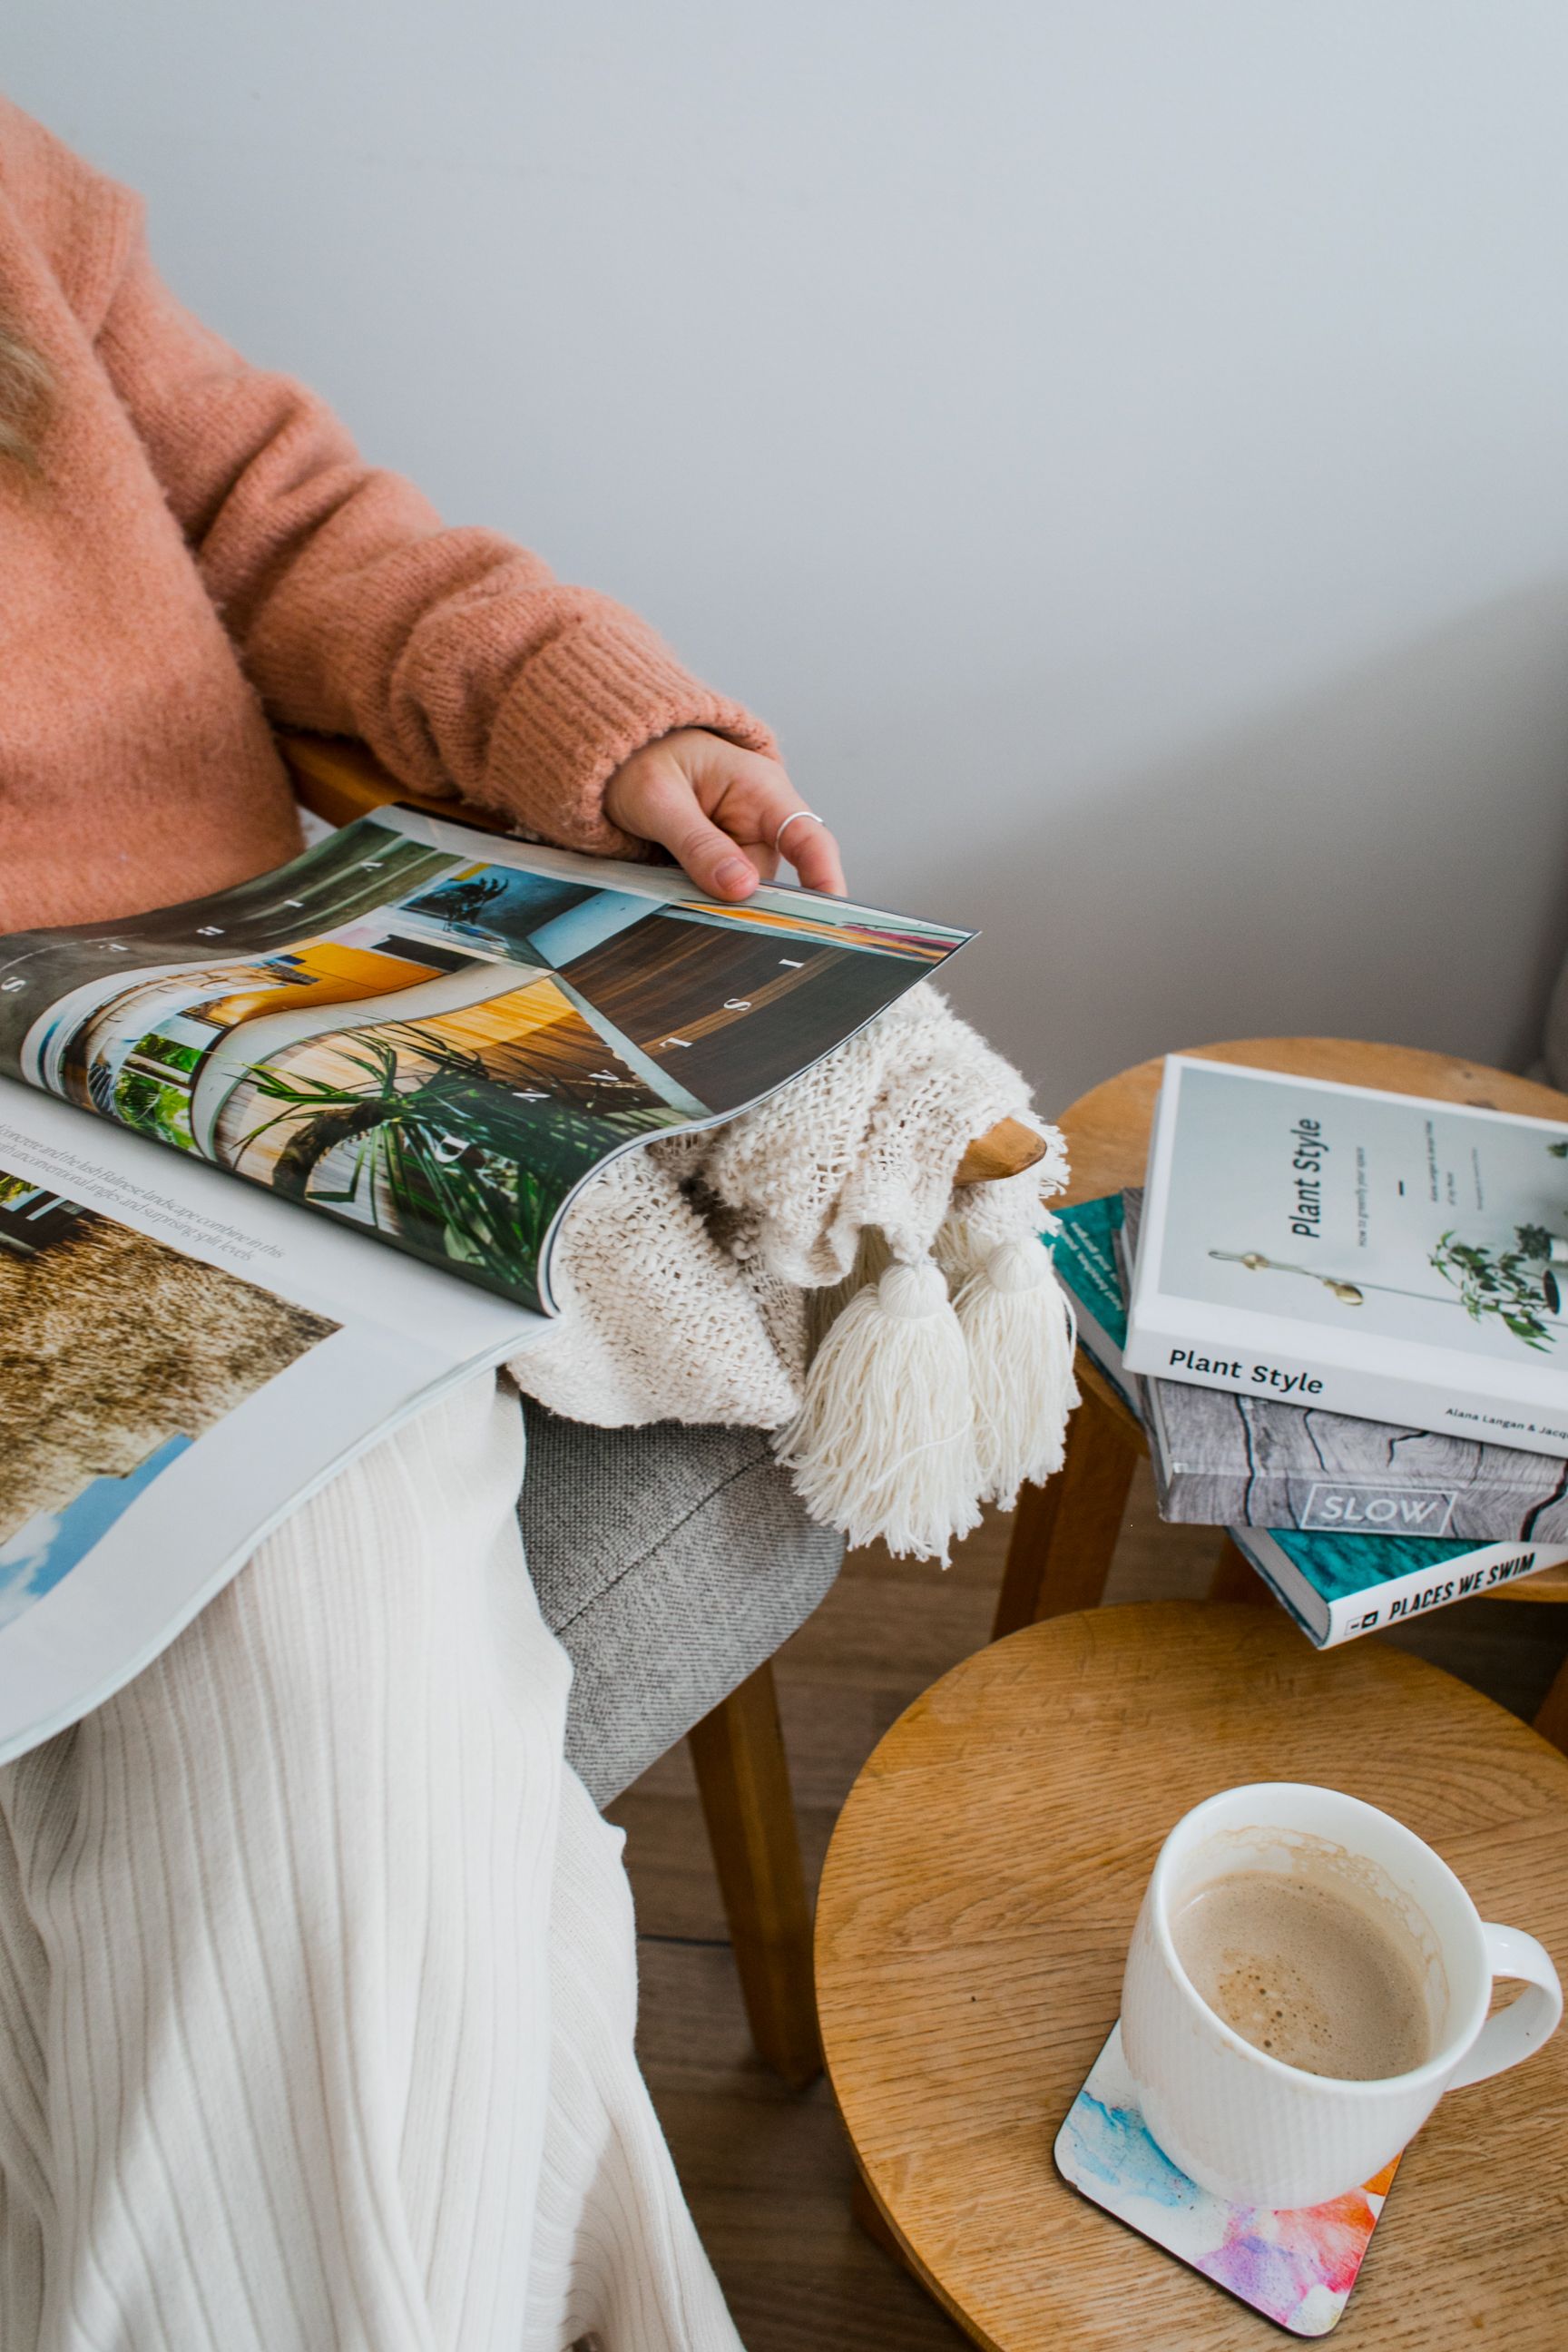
{"x": 434, "y": 1034}
{"x": 182, "y": 1361}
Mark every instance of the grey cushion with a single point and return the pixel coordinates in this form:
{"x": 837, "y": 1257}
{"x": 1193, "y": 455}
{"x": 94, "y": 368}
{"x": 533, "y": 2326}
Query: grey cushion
{"x": 671, "y": 1561}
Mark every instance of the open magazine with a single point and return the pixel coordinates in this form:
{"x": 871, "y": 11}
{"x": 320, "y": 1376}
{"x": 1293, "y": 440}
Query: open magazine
{"x": 414, "y": 1044}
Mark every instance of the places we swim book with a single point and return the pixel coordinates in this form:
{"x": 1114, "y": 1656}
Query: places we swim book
{"x": 278, "y": 1165}
{"x": 1371, "y": 1253}
{"x": 1336, "y": 1587}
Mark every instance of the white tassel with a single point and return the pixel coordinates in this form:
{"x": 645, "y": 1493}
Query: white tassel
{"x": 823, "y": 1308}
{"x": 959, "y": 1252}
{"x": 1019, "y": 1331}
{"x": 884, "y": 1443}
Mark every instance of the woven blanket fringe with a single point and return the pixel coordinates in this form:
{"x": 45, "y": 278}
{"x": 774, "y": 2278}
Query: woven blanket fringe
{"x": 920, "y": 1406}
{"x": 810, "y": 1268}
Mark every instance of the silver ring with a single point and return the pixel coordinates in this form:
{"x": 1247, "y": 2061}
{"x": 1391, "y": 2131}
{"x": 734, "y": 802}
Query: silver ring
{"x": 789, "y": 821}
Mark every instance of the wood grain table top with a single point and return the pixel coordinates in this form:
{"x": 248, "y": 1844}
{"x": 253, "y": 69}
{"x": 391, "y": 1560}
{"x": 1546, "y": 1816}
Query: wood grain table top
{"x": 1107, "y": 1130}
{"x": 973, "y": 1920}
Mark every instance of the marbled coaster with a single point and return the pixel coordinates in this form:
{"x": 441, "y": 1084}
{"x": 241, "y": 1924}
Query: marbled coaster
{"x": 1297, "y": 2268}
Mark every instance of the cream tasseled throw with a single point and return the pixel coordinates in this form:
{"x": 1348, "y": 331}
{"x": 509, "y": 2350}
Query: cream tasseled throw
{"x": 695, "y": 1275}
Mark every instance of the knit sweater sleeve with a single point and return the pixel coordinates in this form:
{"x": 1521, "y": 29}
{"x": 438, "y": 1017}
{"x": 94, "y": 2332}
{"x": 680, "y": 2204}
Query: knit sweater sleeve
{"x": 455, "y": 653}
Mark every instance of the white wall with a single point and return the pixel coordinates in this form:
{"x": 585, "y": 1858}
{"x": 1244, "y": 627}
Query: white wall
{"x": 1121, "y": 444}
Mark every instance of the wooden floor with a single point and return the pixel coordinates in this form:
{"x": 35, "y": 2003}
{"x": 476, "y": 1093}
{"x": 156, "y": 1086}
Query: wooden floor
{"x": 767, "y": 2173}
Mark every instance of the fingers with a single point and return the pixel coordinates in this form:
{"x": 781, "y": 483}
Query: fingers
{"x": 713, "y": 861}
{"x": 777, "y": 826}
{"x": 813, "y": 852}
{"x": 720, "y": 810}
{"x": 656, "y": 801}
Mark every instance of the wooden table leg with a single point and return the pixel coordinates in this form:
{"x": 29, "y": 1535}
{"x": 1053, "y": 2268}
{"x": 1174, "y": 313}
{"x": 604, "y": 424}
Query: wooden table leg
{"x": 1235, "y": 1577}
{"x": 1064, "y": 1532}
{"x": 868, "y": 2216}
{"x": 743, "y": 1778}
{"x": 1552, "y": 1721}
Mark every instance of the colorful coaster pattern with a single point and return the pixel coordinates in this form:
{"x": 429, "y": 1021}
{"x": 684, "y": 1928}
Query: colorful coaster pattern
{"x": 1297, "y": 2268}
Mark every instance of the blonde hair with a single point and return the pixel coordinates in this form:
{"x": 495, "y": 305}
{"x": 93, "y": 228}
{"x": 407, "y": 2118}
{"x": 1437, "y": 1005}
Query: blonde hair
{"x": 27, "y": 393}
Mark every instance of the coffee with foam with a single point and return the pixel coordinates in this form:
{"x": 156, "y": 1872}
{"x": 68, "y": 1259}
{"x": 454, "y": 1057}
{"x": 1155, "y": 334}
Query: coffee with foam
{"x": 1305, "y": 1966}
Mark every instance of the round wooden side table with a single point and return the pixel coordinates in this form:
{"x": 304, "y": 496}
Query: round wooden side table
{"x": 1065, "y": 1533}
{"x": 973, "y": 1918}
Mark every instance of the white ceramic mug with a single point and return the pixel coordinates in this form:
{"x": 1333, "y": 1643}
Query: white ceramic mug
{"x": 1238, "y": 2120}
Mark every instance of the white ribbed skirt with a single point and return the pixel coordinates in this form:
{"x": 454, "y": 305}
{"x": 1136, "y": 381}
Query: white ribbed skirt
{"x": 316, "y": 1969}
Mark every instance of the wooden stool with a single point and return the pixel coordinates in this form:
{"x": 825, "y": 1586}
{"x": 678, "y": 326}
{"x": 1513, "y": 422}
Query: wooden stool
{"x": 1065, "y": 1533}
{"x": 972, "y": 1922}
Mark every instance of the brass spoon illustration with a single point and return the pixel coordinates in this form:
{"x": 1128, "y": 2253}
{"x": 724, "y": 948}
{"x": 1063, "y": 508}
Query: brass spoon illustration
{"x": 1347, "y": 1293}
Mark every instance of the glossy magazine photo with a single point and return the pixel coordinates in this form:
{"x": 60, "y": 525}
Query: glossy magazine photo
{"x": 435, "y": 1035}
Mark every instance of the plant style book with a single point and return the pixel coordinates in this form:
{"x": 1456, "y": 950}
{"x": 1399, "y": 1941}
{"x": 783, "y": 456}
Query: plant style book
{"x": 1335, "y": 1584}
{"x": 278, "y": 1165}
{"x": 1221, "y": 1460}
{"x": 1362, "y": 1253}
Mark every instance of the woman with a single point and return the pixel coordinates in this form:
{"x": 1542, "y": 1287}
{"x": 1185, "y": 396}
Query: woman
{"x": 316, "y": 1965}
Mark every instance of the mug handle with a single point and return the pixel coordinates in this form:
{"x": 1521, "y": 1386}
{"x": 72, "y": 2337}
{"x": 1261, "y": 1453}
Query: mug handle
{"x": 1527, "y": 2022}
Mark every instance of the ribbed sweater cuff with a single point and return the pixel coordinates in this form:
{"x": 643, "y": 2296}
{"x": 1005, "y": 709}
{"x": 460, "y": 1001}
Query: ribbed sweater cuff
{"x": 582, "y": 705}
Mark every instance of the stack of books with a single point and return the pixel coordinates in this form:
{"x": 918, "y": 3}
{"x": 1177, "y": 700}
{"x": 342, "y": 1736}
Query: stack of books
{"x": 1336, "y": 1313}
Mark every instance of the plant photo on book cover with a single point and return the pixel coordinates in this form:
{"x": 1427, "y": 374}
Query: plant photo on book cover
{"x": 1341, "y": 1206}
{"x": 1518, "y": 1283}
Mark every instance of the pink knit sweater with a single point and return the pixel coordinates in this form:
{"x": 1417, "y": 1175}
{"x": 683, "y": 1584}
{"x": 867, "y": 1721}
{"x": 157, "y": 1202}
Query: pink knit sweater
{"x": 207, "y": 553}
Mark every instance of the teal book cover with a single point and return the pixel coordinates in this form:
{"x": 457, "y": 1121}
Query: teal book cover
{"x": 1084, "y": 1250}
{"x": 1337, "y": 1587}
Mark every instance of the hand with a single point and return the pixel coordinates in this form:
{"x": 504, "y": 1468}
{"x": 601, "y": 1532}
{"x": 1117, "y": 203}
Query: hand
{"x": 718, "y": 809}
